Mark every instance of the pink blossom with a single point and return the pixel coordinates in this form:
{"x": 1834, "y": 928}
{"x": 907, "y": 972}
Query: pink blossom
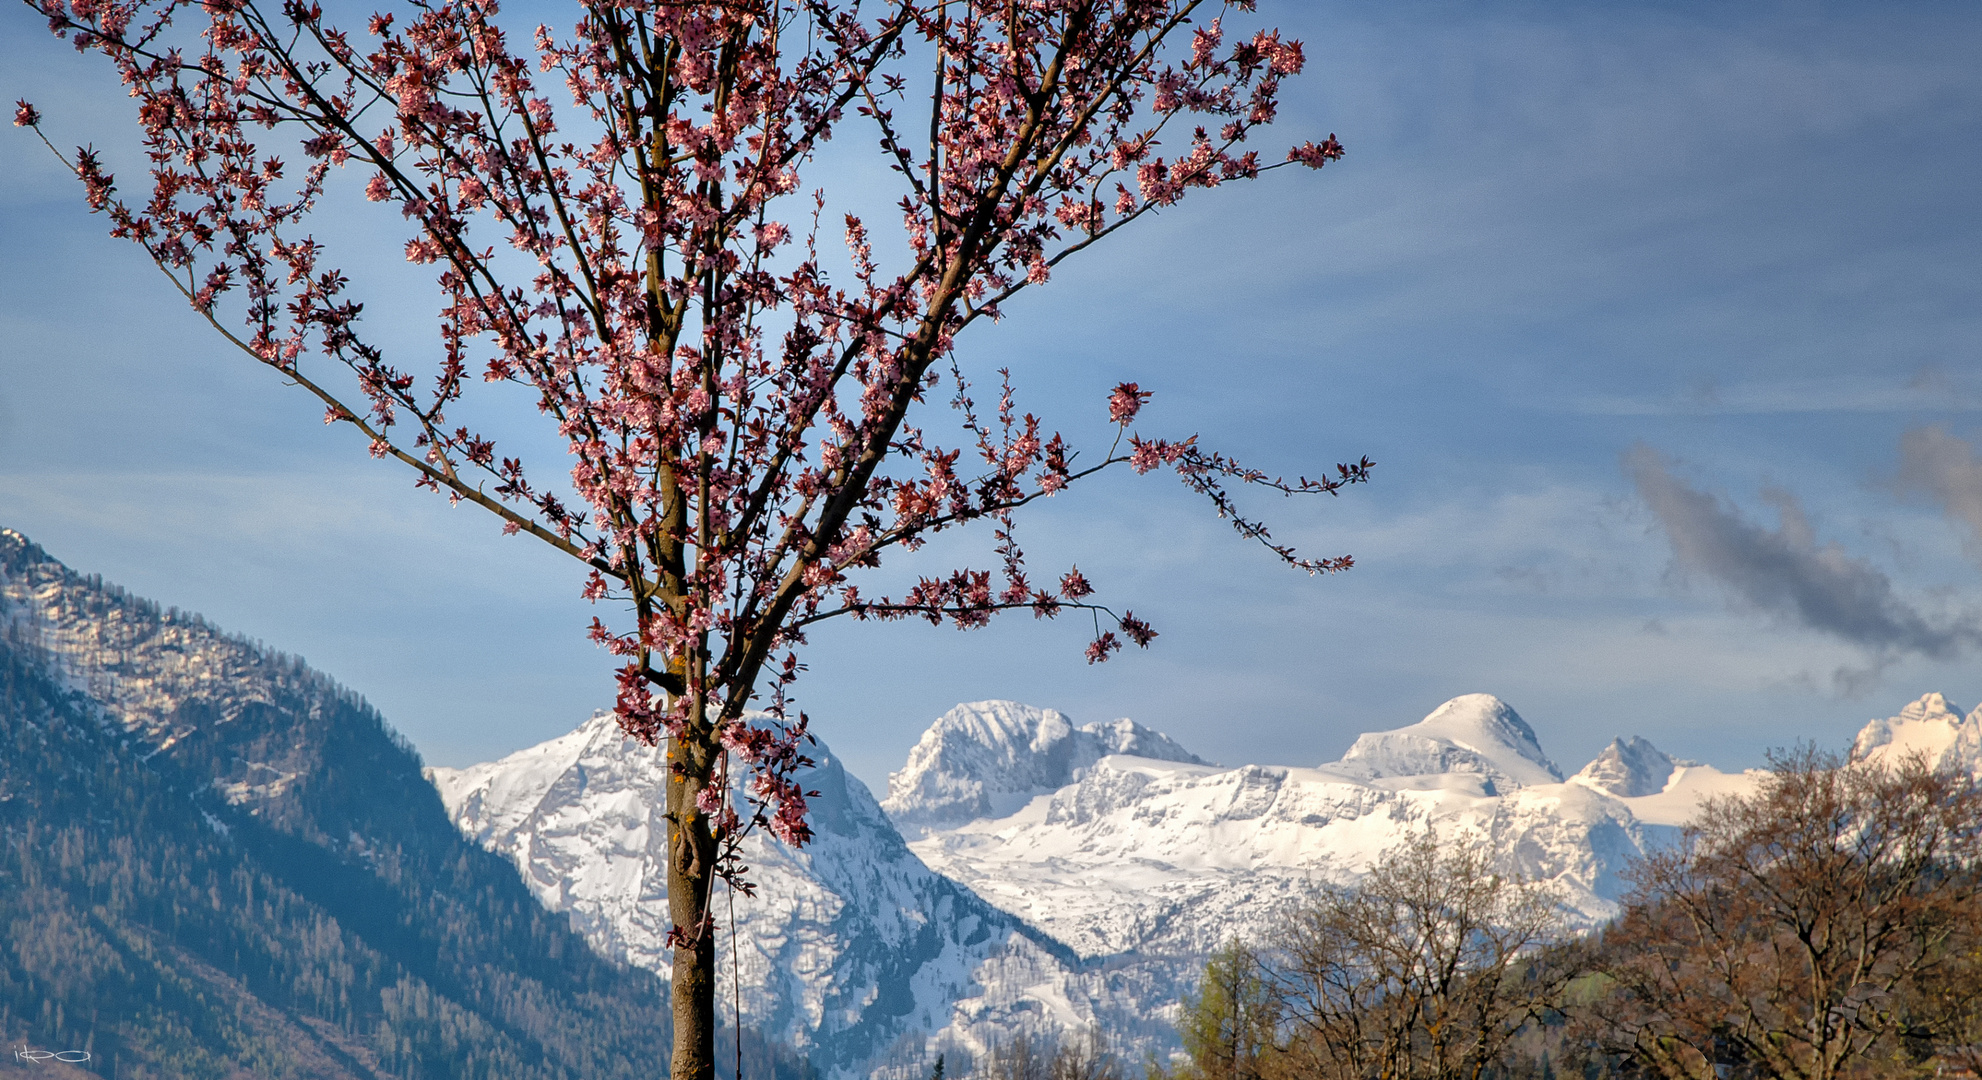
{"x": 747, "y": 396}
{"x": 1074, "y": 586}
{"x": 1102, "y": 647}
{"x": 1138, "y": 631}
{"x": 1126, "y": 400}
{"x": 1145, "y": 454}
{"x": 1315, "y": 155}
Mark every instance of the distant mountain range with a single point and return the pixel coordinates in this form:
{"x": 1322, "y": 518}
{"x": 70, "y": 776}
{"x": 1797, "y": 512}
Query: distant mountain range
{"x": 1100, "y": 862}
{"x": 850, "y": 943}
{"x": 217, "y": 862}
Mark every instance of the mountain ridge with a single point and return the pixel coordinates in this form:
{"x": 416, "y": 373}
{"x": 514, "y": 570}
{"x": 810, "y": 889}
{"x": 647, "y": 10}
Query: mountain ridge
{"x": 1123, "y": 870}
{"x": 1472, "y": 733}
{"x": 851, "y": 945}
{"x": 1932, "y": 727}
{"x": 985, "y": 757}
{"x": 216, "y": 861}
{"x": 1632, "y": 769}
{"x": 1036, "y": 874}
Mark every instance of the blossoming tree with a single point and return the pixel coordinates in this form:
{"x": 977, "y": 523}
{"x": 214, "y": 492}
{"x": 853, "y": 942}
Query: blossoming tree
{"x": 619, "y": 228}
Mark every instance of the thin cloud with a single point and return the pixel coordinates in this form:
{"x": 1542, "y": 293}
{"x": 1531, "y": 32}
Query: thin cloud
{"x": 1928, "y": 389}
{"x": 1944, "y": 468}
{"x": 1785, "y": 573}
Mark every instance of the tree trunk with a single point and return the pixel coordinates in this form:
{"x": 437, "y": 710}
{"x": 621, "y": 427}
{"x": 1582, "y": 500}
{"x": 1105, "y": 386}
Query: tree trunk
{"x": 692, "y": 857}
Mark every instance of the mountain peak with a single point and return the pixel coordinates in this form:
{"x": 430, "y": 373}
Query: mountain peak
{"x": 1630, "y": 769}
{"x": 1472, "y": 733}
{"x": 988, "y": 758}
{"x": 851, "y": 946}
{"x": 1931, "y": 726}
{"x": 1125, "y": 736}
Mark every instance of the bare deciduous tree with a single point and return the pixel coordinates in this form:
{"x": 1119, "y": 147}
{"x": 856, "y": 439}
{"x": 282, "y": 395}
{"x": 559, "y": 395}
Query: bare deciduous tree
{"x": 1024, "y": 1057}
{"x": 1425, "y": 971}
{"x": 1030, "y": 1056}
{"x": 1792, "y": 931}
{"x": 1086, "y": 1058}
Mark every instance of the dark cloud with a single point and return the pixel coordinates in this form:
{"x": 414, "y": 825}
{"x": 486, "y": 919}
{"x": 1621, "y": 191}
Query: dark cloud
{"x": 1944, "y": 468}
{"x": 1787, "y": 574}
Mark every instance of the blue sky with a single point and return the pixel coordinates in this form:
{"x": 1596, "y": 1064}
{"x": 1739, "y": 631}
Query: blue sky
{"x": 1661, "y": 322}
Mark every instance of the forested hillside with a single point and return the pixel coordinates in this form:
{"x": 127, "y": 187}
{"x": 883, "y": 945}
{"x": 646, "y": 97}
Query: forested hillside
{"x": 217, "y": 862}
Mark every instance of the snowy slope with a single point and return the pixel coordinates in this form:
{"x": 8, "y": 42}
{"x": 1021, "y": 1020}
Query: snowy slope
{"x": 1476, "y": 734}
{"x": 1058, "y": 874}
{"x": 1138, "y": 860}
{"x": 159, "y": 674}
{"x": 851, "y": 948}
{"x": 1931, "y": 727}
{"x": 1143, "y": 865}
{"x": 1631, "y": 769}
{"x": 988, "y": 758}
{"x": 1685, "y": 789}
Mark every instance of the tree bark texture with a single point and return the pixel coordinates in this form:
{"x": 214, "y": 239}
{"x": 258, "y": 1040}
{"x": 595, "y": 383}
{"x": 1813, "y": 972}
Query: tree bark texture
{"x": 691, "y": 872}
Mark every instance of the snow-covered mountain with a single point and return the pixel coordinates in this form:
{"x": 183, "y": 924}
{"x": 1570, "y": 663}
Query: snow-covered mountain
{"x": 1059, "y": 875}
{"x": 1474, "y": 735}
{"x": 852, "y": 950}
{"x": 1056, "y": 875}
{"x": 1930, "y": 727}
{"x": 989, "y": 758}
{"x": 1025, "y": 873}
{"x": 1139, "y": 861}
{"x": 286, "y": 898}
{"x": 1631, "y": 769}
